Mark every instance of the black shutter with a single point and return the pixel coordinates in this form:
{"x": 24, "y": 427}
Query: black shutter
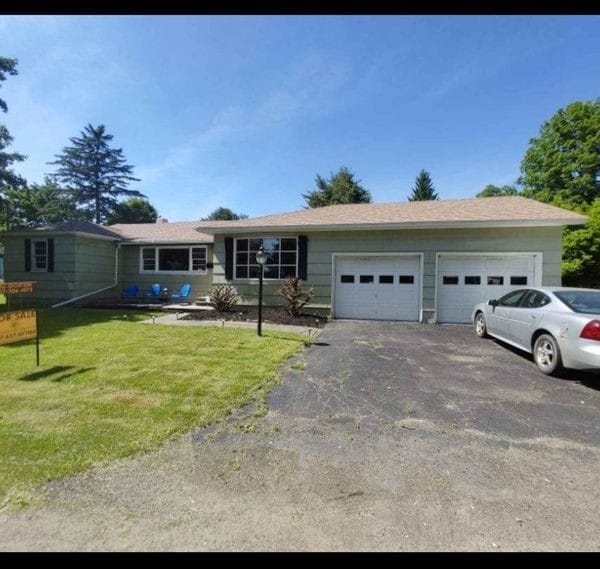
{"x": 50, "y": 253}
{"x": 27, "y": 255}
{"x": 229, "y": 258}
{"x": 302, "y": 256}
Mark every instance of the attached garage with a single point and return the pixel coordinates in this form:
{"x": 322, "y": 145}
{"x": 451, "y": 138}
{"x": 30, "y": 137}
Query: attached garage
{"x": 427, "y": 261}
{"x": 464, "y": 280}
{"x": 377, "y": 287}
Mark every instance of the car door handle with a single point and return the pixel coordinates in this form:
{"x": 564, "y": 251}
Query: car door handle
{"x": 532, "y": 316}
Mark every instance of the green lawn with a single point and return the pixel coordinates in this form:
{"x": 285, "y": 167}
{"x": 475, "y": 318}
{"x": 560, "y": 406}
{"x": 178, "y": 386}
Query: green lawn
{"x": 110, "y": 386}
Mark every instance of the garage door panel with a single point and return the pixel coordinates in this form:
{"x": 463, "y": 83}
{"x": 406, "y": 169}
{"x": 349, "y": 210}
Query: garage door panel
{"x": 377, "y": 287}
{"x": 491, "y": 276}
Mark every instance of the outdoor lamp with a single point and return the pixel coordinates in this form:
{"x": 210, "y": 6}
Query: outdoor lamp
{"x": 261, "y": 256}
{"x": 261, "y": 259}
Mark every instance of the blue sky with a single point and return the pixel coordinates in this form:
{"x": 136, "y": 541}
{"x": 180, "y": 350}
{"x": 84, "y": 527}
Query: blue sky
{"x": 245, "y": 111}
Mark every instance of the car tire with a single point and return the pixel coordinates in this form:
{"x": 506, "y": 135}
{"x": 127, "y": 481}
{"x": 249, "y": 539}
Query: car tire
{"x": 480, "y": 325}
{"x": 546, "y": 354}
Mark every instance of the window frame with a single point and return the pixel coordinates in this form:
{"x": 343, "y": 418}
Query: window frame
{"x": 279, "y": 265}
{"x": 32, "y": 256}
{"x": 157, "y": 271}
{"x": 525, "y": 292}
{"x": 545, "y": 297}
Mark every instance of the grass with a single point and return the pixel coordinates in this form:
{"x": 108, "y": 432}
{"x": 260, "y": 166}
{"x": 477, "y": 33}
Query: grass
{"x": 110, "y": 386}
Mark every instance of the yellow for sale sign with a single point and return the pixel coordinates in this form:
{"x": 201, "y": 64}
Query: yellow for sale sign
{"x": 17, "y": 326}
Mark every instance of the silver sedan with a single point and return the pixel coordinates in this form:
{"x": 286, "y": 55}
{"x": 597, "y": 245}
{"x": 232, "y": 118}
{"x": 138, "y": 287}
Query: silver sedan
{"x": 560, "y": 326}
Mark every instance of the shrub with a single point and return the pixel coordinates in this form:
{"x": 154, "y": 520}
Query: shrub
{"x": 223, "y": 297}
{"x": 295, "y": 297}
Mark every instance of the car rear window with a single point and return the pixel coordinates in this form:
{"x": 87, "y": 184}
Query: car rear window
{"x": 586, "y": 301}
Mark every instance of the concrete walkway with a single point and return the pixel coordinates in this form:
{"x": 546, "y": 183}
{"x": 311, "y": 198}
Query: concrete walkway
{"x": 176, "y": 320}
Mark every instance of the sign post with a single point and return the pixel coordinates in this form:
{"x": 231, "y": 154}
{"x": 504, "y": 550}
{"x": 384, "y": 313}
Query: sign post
{"x": 19, "y": 325}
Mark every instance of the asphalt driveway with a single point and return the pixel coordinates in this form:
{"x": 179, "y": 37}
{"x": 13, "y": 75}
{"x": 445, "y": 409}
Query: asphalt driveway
{"x": 381, "y": 372}
{"x": 382, "y": 435}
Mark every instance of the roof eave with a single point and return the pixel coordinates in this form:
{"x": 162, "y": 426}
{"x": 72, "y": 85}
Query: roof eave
{"x": 396, "y": 226}
{"x": 43, "y": 233}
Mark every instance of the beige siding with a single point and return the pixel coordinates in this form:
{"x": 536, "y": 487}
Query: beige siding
{"x": 129, "y": 271}
{"x": 51, "y": 287}
{"x": 321, "y": 245}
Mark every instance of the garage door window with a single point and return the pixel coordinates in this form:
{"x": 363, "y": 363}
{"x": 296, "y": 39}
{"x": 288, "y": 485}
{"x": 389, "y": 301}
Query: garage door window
{"x": 450, "y": 280}
{"x": 406, "y": 279}
{"x": 386, "y": 279}
{"x": 518, "y": 281}
{"x": 495, "y": 281}
{"x": 347, "y": 278}
{"x": 472, "y": 280}
{"x": 366, "y": 279}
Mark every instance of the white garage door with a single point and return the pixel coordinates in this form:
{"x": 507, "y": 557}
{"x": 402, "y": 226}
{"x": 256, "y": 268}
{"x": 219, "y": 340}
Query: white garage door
{"x": 466, "y": 280}
{"x": 377, "y": 287}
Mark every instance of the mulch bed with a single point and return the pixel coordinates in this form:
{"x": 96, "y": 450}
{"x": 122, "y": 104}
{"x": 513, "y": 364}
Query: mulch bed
{"x": 270, "y": 315}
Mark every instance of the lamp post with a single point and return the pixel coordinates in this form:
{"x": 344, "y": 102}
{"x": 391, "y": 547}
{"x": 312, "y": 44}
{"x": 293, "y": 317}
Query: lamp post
{"x": 261, "y": 259}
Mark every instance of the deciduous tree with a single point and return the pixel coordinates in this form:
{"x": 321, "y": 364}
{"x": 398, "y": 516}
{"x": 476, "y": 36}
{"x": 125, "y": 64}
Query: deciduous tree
{"x": 563, "y": 162}
{"x": 133, "y": 210}
{"x": 8, "y": 178}
{"x": 40, "y": 204}
{"x": 339, "y": 188}
{"x": 224, "y": 214}
{"x": 491, "y": 191}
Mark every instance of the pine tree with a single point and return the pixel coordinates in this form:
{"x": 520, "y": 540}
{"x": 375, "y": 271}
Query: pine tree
{"x": 95, "y": 172}
{"x": 423, "y": 189}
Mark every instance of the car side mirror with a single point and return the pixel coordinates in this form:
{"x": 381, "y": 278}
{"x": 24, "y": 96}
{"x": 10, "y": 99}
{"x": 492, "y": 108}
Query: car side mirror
{"x": 493, "y": 302}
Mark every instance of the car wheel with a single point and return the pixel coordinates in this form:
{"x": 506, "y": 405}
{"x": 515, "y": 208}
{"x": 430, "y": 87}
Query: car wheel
{"x": 547, "y": 355}
{"x": 480, "y": 326}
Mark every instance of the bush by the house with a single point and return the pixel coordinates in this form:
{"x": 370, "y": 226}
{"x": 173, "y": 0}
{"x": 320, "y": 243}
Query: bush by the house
{"x": 295, "y": 298}
{"x": 223, "y": 297}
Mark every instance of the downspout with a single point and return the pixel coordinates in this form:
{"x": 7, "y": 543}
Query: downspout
{"x": 65, "y": 302}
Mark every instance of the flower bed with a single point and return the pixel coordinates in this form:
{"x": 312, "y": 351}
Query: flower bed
{"x": 270, "y": 315}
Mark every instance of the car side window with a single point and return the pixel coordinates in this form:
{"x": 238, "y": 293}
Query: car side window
{"x": 535, "y": 299}
{"x": 513, "y": 298}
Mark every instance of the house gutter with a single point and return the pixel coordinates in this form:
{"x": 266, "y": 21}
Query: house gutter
{"x": 81, "y": 296}
{"x": 235, "y": 229}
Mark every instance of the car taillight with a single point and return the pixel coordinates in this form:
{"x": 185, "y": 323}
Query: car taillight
{"x": 591, "y": 331}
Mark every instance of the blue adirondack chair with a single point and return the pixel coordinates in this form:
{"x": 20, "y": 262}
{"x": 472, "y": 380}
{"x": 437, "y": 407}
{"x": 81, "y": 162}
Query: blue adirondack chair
{"x": 130, "y": 292}
{"x": 154, "y": 292}
{"x": 183, "y": 294}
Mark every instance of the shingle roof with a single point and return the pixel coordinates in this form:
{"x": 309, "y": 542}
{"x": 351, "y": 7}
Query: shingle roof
{"x": 496, "y": 211}
{"x": 178, "y": 232}
{"x": 72, "y": 226}
{"x": 167, "y": 232}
